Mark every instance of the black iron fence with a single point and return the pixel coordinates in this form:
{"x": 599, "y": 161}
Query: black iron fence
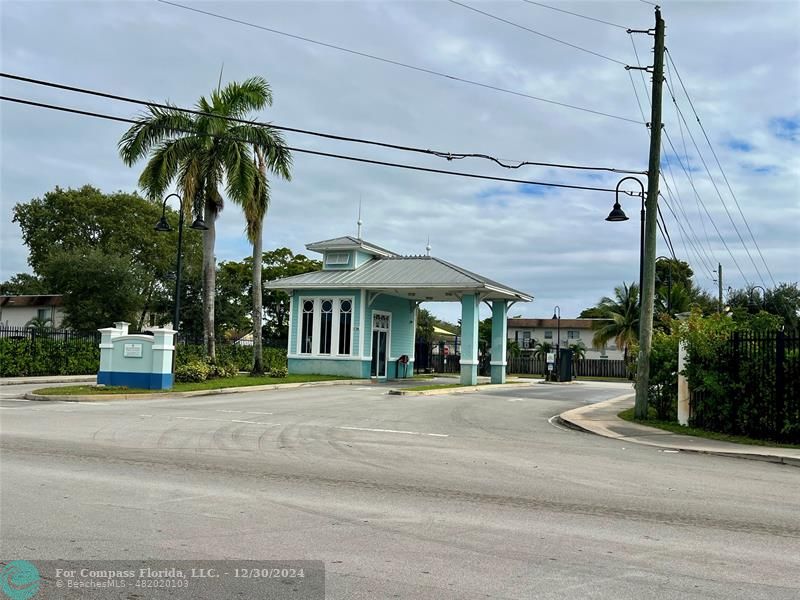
{"x": 758, "y": 393}
{"x": 31, "y": 351}
{"x": 587, "y": 367}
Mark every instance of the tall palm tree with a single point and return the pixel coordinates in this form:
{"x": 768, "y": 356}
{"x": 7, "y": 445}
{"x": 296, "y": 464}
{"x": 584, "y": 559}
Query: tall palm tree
{"x": 279, "y": 161}
{"x": 623, "y": 314}
{"x": 201, "y": 152}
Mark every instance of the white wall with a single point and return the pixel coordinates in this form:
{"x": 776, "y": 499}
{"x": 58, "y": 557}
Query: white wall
{"x": 584, "y": 335}
{"x": 19, "y": 316}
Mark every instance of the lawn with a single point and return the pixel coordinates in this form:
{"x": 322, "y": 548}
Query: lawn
{"x": 211, "y": 384}
{"x": 711, "y": 435}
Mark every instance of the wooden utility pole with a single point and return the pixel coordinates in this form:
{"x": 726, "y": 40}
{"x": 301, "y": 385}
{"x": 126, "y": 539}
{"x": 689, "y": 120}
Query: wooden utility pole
{"x": 648, "y": 290}
{"x": 719, "y": 282}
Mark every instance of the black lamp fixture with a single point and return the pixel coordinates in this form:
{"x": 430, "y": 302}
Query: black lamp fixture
{"x": 617, "y": 214}
{"x": 162, "y": 227}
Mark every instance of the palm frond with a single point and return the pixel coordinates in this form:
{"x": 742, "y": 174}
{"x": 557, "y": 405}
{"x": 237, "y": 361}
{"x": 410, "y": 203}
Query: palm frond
{"x": 150, "y": 130}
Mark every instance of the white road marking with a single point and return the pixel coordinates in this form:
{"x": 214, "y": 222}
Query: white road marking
{"x": 145, "y": 415}
{"x": 228, "y": 411}
{"x": 202, "y": 419}
{"x": 550, "y": 420}
{"x": 227, "y": 421}
{"x": 255, "y": 422}
{"x": 366, "y": 388}
{"x": 255, "y": 412}
{"x": 393, "y": 431}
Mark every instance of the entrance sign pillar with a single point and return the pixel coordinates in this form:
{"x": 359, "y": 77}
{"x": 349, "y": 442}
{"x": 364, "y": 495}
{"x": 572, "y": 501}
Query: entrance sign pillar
{"x": 470, "y": 304}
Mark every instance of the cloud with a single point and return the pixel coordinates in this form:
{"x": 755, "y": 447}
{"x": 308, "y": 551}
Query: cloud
{"x": 553, "y": 243}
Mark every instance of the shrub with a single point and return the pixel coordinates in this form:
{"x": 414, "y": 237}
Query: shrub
{"x": 193, "y": 371}
{"x": 279, "y": 372}
{"x": 221, "y": 370}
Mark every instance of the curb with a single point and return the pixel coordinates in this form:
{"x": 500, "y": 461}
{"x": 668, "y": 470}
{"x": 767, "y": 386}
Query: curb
{"x": 48, "y": 379}
{"x": 564, "y": 420}
{"x": 457, "y": 390}
{"x": 174, "y": 395}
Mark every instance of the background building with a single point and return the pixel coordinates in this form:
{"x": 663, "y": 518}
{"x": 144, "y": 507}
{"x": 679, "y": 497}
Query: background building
{"x": 19, "y": 311}
{"x": 529, "y": 332}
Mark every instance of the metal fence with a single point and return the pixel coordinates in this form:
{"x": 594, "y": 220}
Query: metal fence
{"x": 759, "y": 389}
{"x": 587, "y": 367}
{"x": 32, "y": 351}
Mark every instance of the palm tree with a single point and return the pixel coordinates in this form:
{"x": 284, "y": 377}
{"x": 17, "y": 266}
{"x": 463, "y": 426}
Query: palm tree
{"x": 622, "y": 313}
{"x": 540, "y": 351}
{"x": 279, "y": 161}
{"x": 201, "y": 152}
{"x": 39, "y": 324}
{"x": 578, "y": 353}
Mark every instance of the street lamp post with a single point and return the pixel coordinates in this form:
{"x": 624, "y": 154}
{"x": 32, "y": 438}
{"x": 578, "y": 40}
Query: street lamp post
{"x": 669, "y": 283}
{"x": 162, "y": 227}
{"x": 763, "y": 297}
{"x": 617, "y": 214}
{"x": 557, "y": 317}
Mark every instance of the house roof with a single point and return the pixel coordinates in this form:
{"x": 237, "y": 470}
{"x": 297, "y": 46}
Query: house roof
{"x": 36, "y": 301}
{"x": 415, "y": 277}
{"x": 348, "y": 242}
{"x": 553, "y": 323}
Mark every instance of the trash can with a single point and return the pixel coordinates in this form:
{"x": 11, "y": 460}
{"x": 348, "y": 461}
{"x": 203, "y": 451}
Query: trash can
{"x": 565, "y": 365}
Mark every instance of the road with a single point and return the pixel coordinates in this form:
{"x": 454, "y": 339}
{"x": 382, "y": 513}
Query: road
{"x": 436, "y": 497}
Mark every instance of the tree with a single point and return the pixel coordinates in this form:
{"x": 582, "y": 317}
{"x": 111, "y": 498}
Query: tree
{"x": 540, "y": 351}
{"x": 278, "y": 160}
{"x": 201, "y": 152}
{"x": 782, "y": 301}
{"x": 23, "y": 284}
{"x": 39, "y": 324}
{"x": 82, "y": 221}
{"x": 623, "y": 314}
{"x": 425, "y": 324}
{"x": 98, "y": 288}
{"x": 594, "y": 312}
{"x": 277, "y": 264}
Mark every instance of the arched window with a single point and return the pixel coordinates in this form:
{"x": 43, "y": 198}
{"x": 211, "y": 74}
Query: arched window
{"x": 345, "y": 325}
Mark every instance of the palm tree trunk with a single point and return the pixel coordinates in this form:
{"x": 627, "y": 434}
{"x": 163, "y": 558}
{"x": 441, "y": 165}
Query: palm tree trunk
{"x": 258, "y": 357}
{"x": 209, "y": 281}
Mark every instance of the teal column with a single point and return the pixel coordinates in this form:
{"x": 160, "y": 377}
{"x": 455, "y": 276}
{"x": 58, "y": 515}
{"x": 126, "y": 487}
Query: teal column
{"x": 469, "y": 339}
{"x": 499, "y": 343}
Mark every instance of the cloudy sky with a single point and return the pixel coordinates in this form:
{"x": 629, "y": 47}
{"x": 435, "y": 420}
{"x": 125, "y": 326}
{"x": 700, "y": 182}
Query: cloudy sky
{"x": 738, "y": 61}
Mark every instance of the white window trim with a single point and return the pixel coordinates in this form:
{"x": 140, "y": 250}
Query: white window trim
{"x": 316, "y": 329}
{"x": 339, "y": 255}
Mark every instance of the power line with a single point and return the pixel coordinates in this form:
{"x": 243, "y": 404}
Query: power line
{"x": 714, "y": 184}
{"x": 533, "y": 31}
{"x": 704, "y": 267}
{"x": 644, "y": 118}
{"x": 665, "y": 234}
{"x": 719, "y": 165}
{"x": 397, "y": 63}
{"x": 705, "y": 209}
{"x": 439, "y": 154}
{"x": 325, "y": 154}
{"x": 574, "y": 14}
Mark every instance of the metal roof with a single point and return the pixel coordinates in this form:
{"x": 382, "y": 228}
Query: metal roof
{"x": 348, "y": 242}
{"x": 419, "y": 277}
{"x": 32, "y": 300}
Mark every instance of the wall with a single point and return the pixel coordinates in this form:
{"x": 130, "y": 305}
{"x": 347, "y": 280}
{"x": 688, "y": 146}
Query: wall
{"x": 403, "y": 329}
{"x": 19, "y": 316}
{"x": 585, "y": 335}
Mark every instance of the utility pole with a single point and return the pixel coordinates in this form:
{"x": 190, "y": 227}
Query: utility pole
{"x": 719, "y": 282}
{"x": 651, "y": 212}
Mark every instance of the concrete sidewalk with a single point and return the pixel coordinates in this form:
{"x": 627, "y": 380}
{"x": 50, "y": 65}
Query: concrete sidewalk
{"x": 601, "y": 419}
{"x": 48, "y": 379}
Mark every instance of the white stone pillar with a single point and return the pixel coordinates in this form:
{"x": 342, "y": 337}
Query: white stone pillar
{"x": 683, "y": 387}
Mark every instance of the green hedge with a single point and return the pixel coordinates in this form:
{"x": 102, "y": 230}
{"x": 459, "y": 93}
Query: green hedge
{"x": 20, "y": 358}
{"x": 25, "y": 357}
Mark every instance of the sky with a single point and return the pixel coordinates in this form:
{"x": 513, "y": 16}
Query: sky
{"x": 738, "y": 61}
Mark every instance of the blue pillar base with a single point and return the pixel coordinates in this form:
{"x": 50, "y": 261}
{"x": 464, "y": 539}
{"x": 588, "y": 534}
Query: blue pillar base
{"x": 469, "y": 374}
{"x": 498, "y": 374}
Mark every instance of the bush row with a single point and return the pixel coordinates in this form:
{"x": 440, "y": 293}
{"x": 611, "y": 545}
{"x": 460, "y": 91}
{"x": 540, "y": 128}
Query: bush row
{"x": 25, "y": 357}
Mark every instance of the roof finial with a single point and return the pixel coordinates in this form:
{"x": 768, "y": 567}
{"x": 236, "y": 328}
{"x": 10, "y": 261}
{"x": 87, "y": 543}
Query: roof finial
{"x": 359, "y": 222}
{"x": 428, "y": 247}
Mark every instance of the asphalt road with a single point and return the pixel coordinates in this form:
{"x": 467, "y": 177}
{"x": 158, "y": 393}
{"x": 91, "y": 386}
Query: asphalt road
{"x": 437, "y": 497}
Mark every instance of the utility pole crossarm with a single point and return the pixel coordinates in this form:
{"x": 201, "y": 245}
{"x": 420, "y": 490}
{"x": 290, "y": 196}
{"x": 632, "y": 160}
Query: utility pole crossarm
{"x": 648, "y": 283}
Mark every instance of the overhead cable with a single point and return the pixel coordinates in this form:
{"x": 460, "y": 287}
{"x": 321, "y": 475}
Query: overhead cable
{"x": 397, "y": 63}
{"x": 325, "y": 154}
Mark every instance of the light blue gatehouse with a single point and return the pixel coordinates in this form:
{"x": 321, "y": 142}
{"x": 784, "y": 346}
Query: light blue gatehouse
{"x": 357, "y": 316}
